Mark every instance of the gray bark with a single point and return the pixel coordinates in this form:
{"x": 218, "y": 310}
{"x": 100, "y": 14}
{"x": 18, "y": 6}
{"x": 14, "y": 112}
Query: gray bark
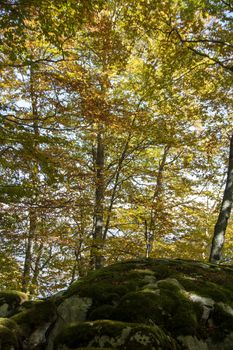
{"x": 26, "y": 277}
{"x": 224, "y": 213}
{"x": 96, "y": 253}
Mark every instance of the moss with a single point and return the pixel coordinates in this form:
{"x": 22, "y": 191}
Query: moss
{"x": 108, "y": 286}
{"x": 29, "y": 304}
{"x": 7, "y": 338}
{"x": 144, "y": 291}
{"x": 12, "y": 297}
{"x": 91, "y": 348}
{"x": 30, "y": 319}
{"x": 100, "y": 292}
{"x": 142, "y": 338}
{"x": 12, "y": 329}
{"x": 137, "y": 307}
{"x": 118, "y": 335}
{"x": 76, "y": 335}
{"x": 118, "y": 278}
{"x": 103, "y": 312}
{"x": 170, "y": 284}
{"x": 208, "y": 289}
{"x": 223, "y": 323}
{"x": 12, "y": 300}
{"x": 169, "y": 309}
{"x": 11, "y": 324}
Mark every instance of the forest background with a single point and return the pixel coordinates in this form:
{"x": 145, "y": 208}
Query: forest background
{"x": 115, "y": 120}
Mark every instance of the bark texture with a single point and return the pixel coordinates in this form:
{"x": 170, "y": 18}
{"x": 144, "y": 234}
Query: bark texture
{"x": 224, "y": 213}
{"x": 96, "y": 254}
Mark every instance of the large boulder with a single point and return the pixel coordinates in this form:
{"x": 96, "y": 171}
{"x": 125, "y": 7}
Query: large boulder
{"x": 145, "y": 304}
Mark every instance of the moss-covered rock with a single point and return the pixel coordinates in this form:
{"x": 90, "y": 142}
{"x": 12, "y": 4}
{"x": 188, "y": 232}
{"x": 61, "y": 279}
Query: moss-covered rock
{"x": 182, "y": 297}
{"x": 8, "y": 339}
{"x": 91, "y": 348}
{"x": 10, "y": 302}
{"x": 132, "y": 305}
{"x": 114, "y": 334}
{"x": 166, "y": 307}
{"x": 10, "y": 335}
{"x": 34, "y": 324}
{"x": 72, "y": 309}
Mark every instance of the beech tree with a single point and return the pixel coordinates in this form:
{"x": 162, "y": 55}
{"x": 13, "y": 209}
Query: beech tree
{"x": 224, "y": 213}
{"x": 113, "y": 125}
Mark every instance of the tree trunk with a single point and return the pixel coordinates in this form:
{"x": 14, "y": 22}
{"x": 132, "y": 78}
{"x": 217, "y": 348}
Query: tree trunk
{"x": 96, "y": 253}
{"x": 150, "y": 231}
{"x": 26, "y": 277}
{"x": 36, "y": 271}
{"x": 116, "y": 181}
{"x": 224, "y": 214}
{"x": 28, "y": 254}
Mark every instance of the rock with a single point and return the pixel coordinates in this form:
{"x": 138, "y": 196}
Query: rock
{"x": 4, "y": 310}
{"x": 189, "y": 342}
{"x": 73, "y": 309}
{"x": 10, "y": 302}
{"x": 144, "y": 304}
{"x": 8, "y": 337}
{"x": 34, "y": 324}
{"x": 114, "y": 334}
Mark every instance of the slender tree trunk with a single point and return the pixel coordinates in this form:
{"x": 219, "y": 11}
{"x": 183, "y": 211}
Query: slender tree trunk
{"x": 150, "y": 231}
{"x": 34, "y": 178}
{"x": 96, "y": 253}
{"x": 36, "y": 271}
{"x": 224, "y": 214}
{"x": 116, "y": 181}
{"x": 28, "y": 254}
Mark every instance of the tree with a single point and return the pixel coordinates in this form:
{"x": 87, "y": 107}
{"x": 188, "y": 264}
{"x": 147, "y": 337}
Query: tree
{"x": 113, "y": 125}
{"x": 224, "y": 213}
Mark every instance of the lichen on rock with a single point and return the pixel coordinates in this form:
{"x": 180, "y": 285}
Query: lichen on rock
{"x": 114, "y": 334}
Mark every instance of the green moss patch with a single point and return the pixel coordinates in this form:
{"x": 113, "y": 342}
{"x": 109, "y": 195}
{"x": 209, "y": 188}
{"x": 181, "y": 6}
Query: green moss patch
{"x": 149, "y": 290}
{"x": 9, "y": 323}
{"x": 222, "y": 323}
{"x": 7, "y": 338}
{"x": 91, "y": 348}
{"x": 208, "y": 289}
{"x": 10, "y": 302}
{"x": 12, "y": 297}
{"x": 28, "y": 320}
{"x": 104, "y": 312}
{"x": 117, "y": 335}
{"x": 109, "y": 285}
{"x": 135, "y": 305}
{"x": 166, "y": 307}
